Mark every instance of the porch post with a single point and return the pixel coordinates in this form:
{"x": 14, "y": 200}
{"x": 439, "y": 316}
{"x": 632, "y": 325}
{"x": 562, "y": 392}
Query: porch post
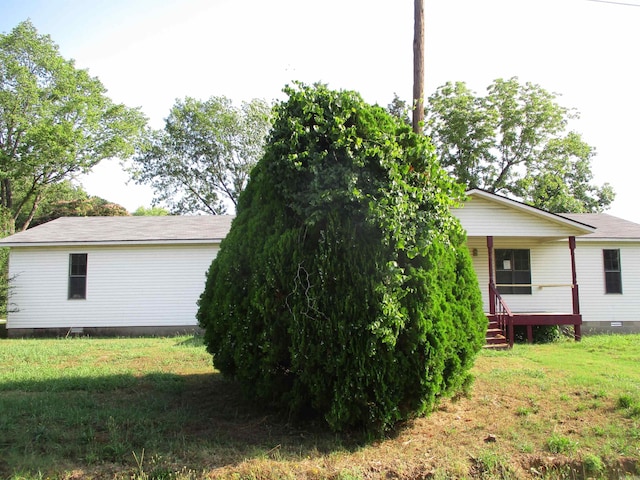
{"x": 574, "y": 286}
{"x": 492, "y": 298}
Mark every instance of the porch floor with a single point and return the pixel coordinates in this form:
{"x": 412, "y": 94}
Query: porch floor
{"x": 529, "y": 320}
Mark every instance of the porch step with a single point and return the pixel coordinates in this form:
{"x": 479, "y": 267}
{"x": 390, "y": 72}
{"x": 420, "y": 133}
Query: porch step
{"x": 496, "y": 346}
{"x": 494, "y": 339}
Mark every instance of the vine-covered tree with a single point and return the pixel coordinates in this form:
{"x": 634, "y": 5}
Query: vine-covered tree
{"x": 201, "y": 161}
{"x": 514, "y": 141}
{"x": 344, "y": 287}
{"x": 55, "y": 122}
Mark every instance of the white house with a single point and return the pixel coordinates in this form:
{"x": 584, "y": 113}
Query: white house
{"x": 110, "y": 275}
{"x": 117, "y": 275}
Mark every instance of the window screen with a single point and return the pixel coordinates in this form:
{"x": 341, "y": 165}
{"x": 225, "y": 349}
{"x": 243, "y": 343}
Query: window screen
{"x": 612, "y": 271}
{"x": 513, "y": 267}
{"x": 77, "y": 276}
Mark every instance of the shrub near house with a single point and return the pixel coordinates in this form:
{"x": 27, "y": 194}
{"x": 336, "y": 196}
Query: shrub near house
{"x": 343, "y": 287}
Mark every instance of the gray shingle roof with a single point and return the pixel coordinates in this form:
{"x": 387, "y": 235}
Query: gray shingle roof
{"x": 607, "y": 226}
{"x": 124, "y": 230}
{"x": 213, "y": 228}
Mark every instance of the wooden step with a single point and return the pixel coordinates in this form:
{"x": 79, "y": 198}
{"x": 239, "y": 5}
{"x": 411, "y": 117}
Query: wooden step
{"x": 496, "y": 346}
{"x": 495, "y": 340}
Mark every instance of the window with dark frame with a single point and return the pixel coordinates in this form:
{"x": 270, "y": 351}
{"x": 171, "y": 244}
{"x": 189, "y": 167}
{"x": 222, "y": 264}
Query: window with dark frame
{"x": 77, "y": 276}
{"x": 612, "y": 271}
{"x": 513, "y": 268}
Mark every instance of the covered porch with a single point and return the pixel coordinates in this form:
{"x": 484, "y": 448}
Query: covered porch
{"x": 502, "y": 320}
{"x": 525, "y": 262}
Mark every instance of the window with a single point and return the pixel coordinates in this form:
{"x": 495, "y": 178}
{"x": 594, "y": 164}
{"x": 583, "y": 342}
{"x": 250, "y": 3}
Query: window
{"x": 513, "y": 267}
{"x": 612, "y": 273}
{"x": 77, "y": 276}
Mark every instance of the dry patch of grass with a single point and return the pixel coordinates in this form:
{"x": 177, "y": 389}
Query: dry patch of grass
{"x": 155, "y": 408}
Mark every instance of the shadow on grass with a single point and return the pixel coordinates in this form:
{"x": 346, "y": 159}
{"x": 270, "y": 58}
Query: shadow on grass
{"x": 198, "y": 420}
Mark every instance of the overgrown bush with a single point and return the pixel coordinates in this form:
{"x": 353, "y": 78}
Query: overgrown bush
{"x": 541, "y": 333}
{"x": 344, "y": 287}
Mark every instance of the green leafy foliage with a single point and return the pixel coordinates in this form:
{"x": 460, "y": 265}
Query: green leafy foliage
{"x": 541, "y": 333}
{"x": 66, "y": 199}
{"x": 513, "y": 141}
{"x": 200, "y": 161}
{"x": 55, "y": 121}
{"x": 344, "y": 287}
{"x": 150, "y": 212}
{"x": 561, "y": 444}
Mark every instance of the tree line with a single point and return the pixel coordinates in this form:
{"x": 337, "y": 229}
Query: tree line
{"x": 56, "y": 122}
{"x": 512, "y": 141}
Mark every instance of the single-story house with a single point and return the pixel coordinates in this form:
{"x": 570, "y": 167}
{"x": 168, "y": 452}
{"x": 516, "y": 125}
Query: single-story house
{"x": 117, "y": 275}
{"x": 540, "y": 268}
{"x": 110, "y": 275}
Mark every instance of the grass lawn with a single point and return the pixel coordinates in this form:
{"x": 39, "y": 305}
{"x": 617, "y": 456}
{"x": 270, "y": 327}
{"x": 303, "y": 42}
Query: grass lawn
{"x": 155, "y": 408}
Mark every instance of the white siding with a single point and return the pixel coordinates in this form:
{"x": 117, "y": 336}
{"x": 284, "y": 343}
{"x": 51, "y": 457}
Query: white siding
{"x": 126, "y": 286}
{"x": 550, "y": 274}
{"x": 481, "y": 217}
{"x": 595, "y": 304}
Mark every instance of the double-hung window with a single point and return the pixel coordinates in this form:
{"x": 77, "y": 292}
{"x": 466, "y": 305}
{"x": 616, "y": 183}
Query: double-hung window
{"x": 77, "y": 276}
{"x": 513, "y": 268}
{"x": 612, "y": 271}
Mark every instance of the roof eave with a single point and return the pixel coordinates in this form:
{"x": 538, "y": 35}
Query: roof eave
{"x": 608, "y": 239}
{"x": 111, "y": 243}
{"x": 554, "y": 217}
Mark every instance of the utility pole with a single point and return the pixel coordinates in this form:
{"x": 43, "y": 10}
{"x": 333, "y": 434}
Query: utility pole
{"x": 418, "y": 65}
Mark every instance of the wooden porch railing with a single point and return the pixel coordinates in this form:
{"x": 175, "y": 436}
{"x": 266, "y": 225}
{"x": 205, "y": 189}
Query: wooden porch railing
{"x": 502, "y": 314}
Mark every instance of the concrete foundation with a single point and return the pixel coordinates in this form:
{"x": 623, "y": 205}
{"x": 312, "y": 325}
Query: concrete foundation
{"x": 103, "y": 332}
{"x": 610, "y": 327}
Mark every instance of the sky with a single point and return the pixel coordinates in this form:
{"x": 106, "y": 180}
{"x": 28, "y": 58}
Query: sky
{"x": 148, "y": 53}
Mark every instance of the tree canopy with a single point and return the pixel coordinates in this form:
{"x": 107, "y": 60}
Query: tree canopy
{"x": 150, "y": 212}
{"x": 201, "y": 161}
{"x": 65, "y": 199}
{"x": 55, "y": 120}
{"x": 513, "y": 141}
{"x": 344, "y": 287}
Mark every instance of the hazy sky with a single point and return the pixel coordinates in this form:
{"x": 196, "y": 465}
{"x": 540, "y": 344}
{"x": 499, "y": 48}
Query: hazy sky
{"x": 147, "y": 53}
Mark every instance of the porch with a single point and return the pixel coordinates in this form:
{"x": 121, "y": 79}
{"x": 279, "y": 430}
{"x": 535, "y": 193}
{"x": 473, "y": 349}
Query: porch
{"x": 502, "y": 320}
{"x": 531, "y": 279}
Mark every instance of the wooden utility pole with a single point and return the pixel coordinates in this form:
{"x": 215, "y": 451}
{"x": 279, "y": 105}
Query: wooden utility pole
{"x": 418, "y": 65}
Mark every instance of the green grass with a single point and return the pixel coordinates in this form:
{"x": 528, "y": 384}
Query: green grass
{"x": 156, "y": 408}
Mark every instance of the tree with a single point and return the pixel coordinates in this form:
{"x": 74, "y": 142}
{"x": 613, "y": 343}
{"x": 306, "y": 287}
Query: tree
{"x": 66, "y": 199}
{"x": 344, "y": 287}
{"x": 201, "y": 160}
{"x": 55, "y": 120}
{"x": 150, "y": 212}
{"x": 399, "y": 109}
{"x": 513, "y": 141}
{"x": 418, "y": 65}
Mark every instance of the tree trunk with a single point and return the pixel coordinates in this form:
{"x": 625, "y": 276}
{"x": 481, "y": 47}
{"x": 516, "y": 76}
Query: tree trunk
{"x": 32, "y": 213}
{"x": 418, "y": 66}
{"x": 7, "y": 195}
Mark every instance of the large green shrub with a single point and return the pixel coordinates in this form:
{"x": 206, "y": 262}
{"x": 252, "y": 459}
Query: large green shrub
{"x": 344, "y": 287}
